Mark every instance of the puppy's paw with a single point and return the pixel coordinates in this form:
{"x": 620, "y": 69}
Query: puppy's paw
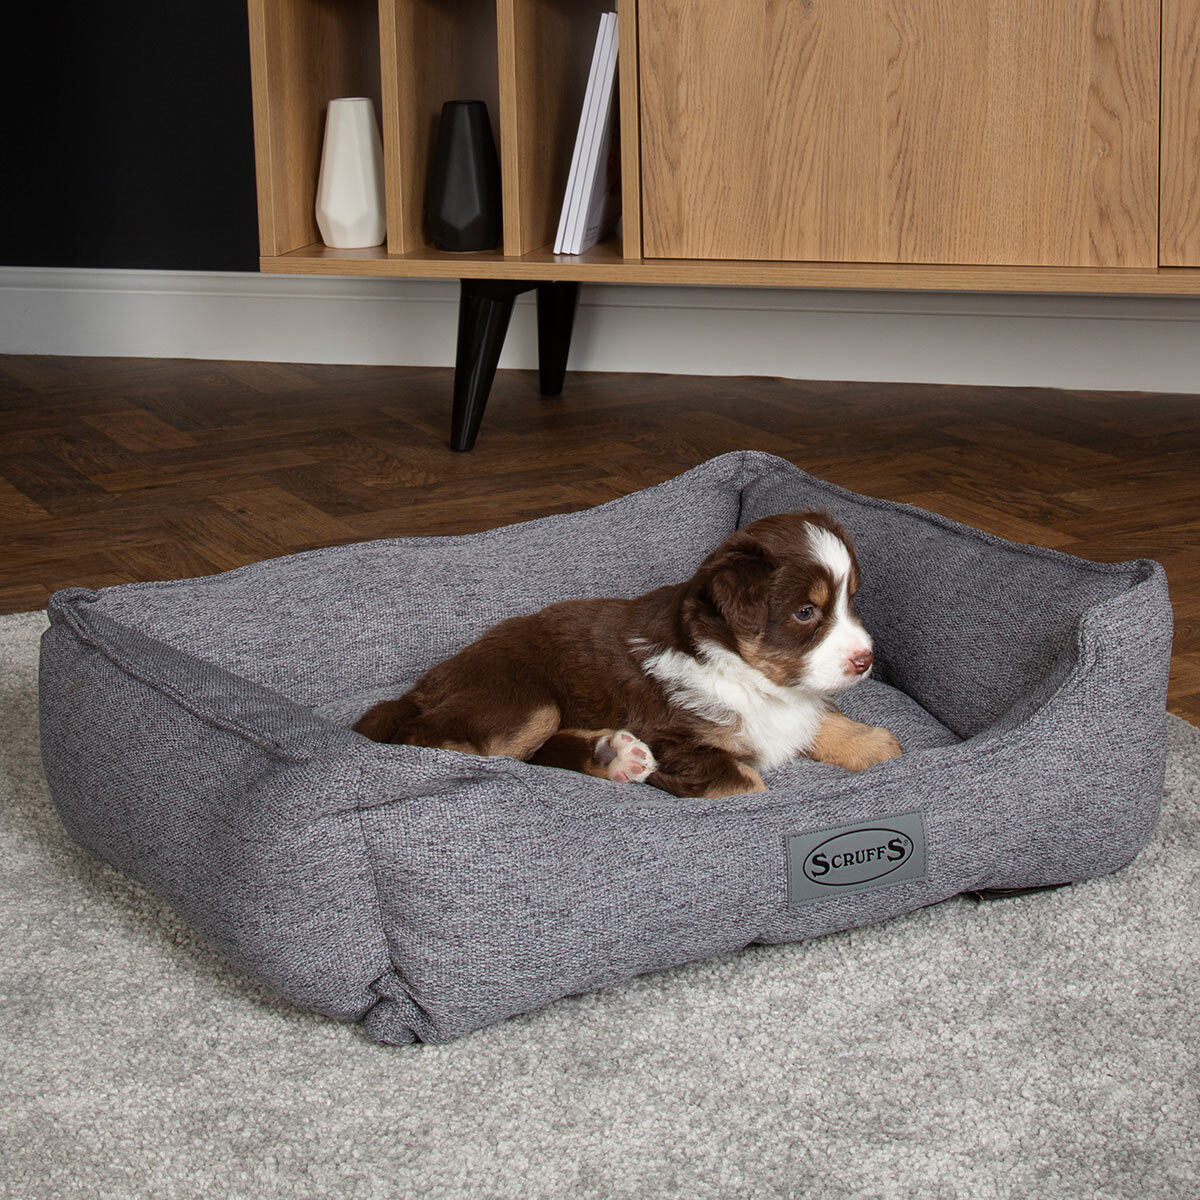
{"x": 853, "y": 745}
{"x": 876, "y": 745}
{"x": 625, "y": 758}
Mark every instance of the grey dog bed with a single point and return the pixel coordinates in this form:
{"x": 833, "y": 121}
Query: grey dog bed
{"x": 195, "y": 734}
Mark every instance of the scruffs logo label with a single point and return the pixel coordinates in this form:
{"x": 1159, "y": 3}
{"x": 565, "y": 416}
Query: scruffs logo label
{"x": 858, "y": 856}
{"x": 853, "y": 858}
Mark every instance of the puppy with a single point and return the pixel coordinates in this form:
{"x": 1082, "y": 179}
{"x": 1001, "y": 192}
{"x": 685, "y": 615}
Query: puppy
{"x": 723, "y": 676}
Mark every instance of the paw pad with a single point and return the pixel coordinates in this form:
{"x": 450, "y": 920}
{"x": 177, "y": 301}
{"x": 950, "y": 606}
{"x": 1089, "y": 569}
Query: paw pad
{"x": 627, "y": 758}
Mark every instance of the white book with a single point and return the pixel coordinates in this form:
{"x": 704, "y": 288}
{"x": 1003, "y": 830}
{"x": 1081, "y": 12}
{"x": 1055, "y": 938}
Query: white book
{"x": 582, "y": 193}
{"x": 600, "y": 180}
{"x": 581, "y": 135}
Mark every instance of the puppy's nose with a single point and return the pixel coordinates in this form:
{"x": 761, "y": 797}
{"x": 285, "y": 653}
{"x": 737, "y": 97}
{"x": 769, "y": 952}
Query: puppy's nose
{"x": 860, "y": 663}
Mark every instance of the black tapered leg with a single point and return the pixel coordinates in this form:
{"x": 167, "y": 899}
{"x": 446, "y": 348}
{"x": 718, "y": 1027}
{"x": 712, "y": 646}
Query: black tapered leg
{"x": 484, "y": 309}
{"x": 556, "y": 303}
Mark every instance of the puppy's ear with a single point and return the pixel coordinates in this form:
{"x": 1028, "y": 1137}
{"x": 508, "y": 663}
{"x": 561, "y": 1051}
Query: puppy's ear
{"x": 739, "y": 586}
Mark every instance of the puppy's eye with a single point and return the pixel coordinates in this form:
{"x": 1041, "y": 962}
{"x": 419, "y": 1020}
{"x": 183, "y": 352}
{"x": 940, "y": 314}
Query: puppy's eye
{"x": 805, "y": 614}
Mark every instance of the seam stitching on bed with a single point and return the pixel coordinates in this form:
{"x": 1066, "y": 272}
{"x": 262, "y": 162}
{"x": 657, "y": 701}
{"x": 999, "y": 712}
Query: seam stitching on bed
{"x": 225, "y": 724}
{"x": 360, "y": 771}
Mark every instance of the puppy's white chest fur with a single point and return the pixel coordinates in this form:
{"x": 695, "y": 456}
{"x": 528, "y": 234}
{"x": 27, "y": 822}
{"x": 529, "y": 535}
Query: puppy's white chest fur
{"x": 773, "y": 723}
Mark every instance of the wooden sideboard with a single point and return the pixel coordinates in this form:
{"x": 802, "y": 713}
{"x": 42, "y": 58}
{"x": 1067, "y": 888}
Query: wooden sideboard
{"x": 996, "y": 145}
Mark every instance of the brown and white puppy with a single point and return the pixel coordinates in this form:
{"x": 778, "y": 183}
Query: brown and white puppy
{"x": 725, "y": 675}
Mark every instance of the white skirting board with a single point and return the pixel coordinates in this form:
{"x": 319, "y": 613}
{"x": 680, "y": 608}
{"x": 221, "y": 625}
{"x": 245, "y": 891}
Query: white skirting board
{"x": 1105, "y": 342}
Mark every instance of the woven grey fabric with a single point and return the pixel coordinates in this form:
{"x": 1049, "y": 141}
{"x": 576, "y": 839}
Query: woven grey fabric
{"x": 189, "y": 738}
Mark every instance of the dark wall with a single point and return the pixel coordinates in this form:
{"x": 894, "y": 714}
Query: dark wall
{"x": 130, "y": 139}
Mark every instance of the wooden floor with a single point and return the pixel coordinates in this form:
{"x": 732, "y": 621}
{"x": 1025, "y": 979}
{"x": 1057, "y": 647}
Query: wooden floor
{"x": 114, "y": 470}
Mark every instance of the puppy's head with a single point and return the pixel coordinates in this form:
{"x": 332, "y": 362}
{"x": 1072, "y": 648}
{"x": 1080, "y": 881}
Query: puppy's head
{"x": 780, "y": 593}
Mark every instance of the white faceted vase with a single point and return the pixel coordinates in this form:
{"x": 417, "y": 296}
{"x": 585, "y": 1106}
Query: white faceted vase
{"x": 350, "y": 198}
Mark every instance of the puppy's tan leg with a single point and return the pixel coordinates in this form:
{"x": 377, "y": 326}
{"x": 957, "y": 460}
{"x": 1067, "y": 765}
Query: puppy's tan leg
{"x": 851, "y": 744}
{"x": 468, "y": 724}
{"x": 605, "y": 753}
{"x": 706, "y": 772}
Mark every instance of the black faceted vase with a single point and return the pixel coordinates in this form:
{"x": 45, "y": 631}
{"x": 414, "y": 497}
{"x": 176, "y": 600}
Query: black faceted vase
{"x": 462, "y": 193}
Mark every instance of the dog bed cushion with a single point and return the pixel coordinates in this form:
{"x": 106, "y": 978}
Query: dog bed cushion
{"x": 196, "y": 734}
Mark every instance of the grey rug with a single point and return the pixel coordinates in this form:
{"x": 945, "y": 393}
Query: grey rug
{"x": 1047, "y": 1046}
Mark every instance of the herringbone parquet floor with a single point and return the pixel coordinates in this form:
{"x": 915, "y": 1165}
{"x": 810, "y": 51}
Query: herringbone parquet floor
{"x": 114, "y": 470}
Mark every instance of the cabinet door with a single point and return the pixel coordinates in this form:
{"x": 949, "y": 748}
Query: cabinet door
{"x": 1180, "y": 227}
{"x": 921, "y": 131}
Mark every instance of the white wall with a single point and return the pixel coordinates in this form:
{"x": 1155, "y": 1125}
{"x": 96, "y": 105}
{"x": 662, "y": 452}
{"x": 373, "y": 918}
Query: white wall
{"x": 1114, "y": 343}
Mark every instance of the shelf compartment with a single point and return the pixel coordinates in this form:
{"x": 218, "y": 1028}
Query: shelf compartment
{"x": 545, "y": 51}
{"x": 304, "y": 53}
{"x": 431, "y": 51}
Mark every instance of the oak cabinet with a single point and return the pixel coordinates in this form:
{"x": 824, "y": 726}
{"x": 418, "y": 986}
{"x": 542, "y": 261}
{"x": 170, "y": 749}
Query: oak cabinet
{"x": 1022, "y": 145}
{"x": 935, "y": 145}
{"x": 1019, "y": 132}
{"x": 952, "y": 145}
